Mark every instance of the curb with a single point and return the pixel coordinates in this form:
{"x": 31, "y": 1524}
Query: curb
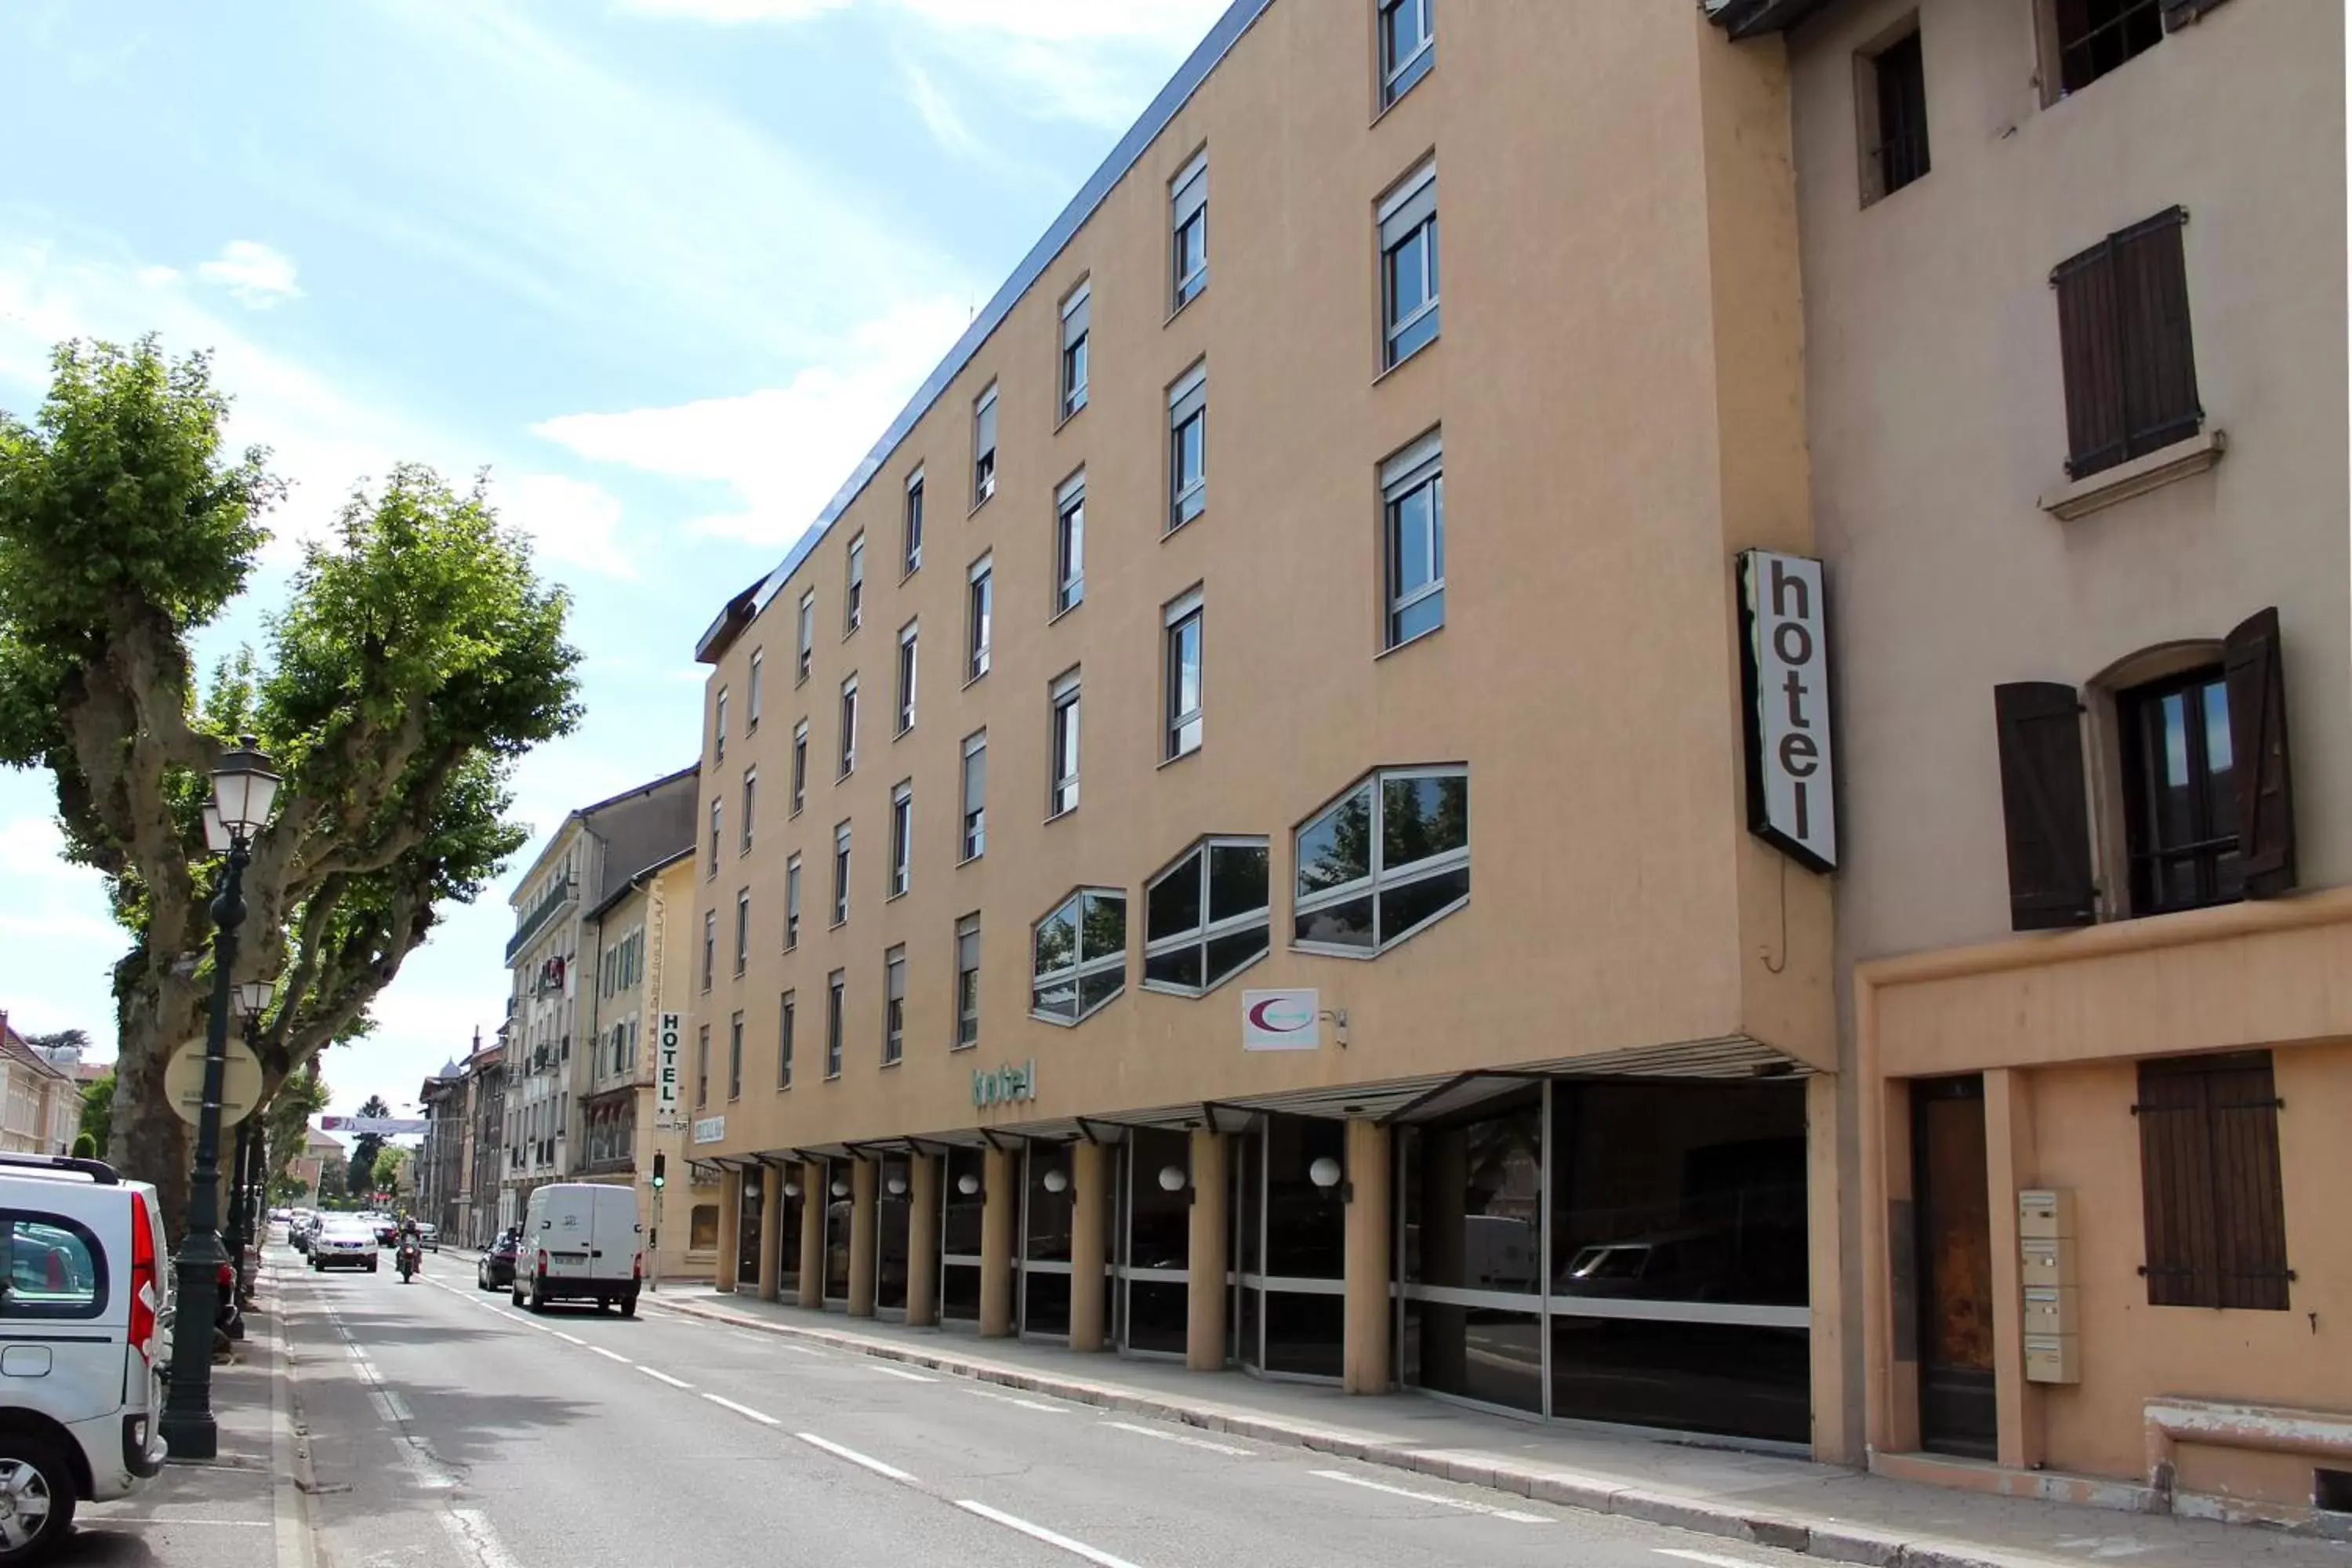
{"x": 1832, "y": 1540}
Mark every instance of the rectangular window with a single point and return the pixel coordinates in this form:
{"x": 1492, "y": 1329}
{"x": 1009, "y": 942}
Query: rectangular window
{"x": 906, "y": 678}
{"x": 2124, "y": 340}
{"x": 1409, "y": 263}
{"x": 702, "y": 1066}
{"x": 1413, "y": 492}
{"x": 1384, "y": 860}
{"x": 911, "y": 529}
{"x": 735, "y": 1058}
{"x": 1896, "y": 111}
{"x": 752, "y": 695}
{"x": 717, "y": 833}
{"x": 1408, "y": 46}
{"x": 841, "y": 874}
{"x": 979, "y": 617}
{"x": 807, "y": 636}
{"x": 2214, "y": 1205}
{"x": 902, "y": 838}
{"x": 709, "y": 946}
{"x": 2091, "y": 37}
{"x": 792, "y": 903}
{"x": 1183, "y": 715}
{"x": 1188, "y": 210}
{"x": 743, "y": 930}
{"x": 967, "y": 982}
{"x": 848, "y": 760}
{"x": 719, "y": 727}
{"x": 1076, "y": 314}
{"x": 975, "y": 796}
{"x": 750, "y": 801}
{"x": 983, "y": 446}
{"x": 800, "y": 767}
{"x": 2181, "y": 788}
{"x": 1064, "y": 760}
{"x": 1070, "y": 546}
{"x": 894, "y": 1006}
{"x": 1188, "y": 447}
{"x": 853, "y": 598}
{"x": 835, "y": 985}
{"x": 785, "y": 1011}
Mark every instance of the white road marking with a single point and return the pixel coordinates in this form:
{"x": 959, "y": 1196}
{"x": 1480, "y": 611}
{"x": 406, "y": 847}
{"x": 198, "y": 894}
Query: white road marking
{"x": 909, "y": 1376}
{"x": 761, "y": 1416}
{"x": 612, "y": 1355}
{"x": 471, "y": 1530}
{"x": 1039, "y": 1533}
{"x": 855, "y": 1458}
{"x": 665, "y": 1377}
{"x": 796, "y": 1350}
{"x": 1025, "y": 1403}
{"x": 1465, "y": 1504}
{"x": 569, "y": 1339}
{"x": 1713, "y": 1559}
{"x": 1179, "y": 1437}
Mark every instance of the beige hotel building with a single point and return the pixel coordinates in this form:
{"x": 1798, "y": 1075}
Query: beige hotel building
{"x": 1287, "y": 815}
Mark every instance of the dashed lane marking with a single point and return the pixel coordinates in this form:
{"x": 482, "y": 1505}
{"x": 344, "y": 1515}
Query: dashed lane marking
{"x": 1465, "y": 1504}
{"x": 1712, "y": 1559}
{"x": 1180, "y": 1437}
{"x": 1012, "y": 1399}
{"x": 664, "y": 1377}
{"x": 761, "y": 1416}
{"x": 612, "y": 1355}
{"x": 855, "y": 1458}
{"x": 909, "y": 1376}
{"x": 1039, "y": 1533}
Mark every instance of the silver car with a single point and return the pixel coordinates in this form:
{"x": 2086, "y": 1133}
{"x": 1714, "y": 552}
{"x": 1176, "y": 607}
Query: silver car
{"x": 343, "y": 1242}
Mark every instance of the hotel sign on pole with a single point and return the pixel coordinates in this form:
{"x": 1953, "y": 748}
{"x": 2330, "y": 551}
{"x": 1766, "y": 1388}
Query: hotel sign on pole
{"x": 1785, "y": 665}
{"x": 666, "y": 1064}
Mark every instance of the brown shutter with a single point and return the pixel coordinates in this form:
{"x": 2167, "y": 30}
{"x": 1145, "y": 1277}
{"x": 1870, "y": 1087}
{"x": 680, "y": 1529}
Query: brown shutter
{"x": 2251, "y": 665}
{"x": 2250, "y": 1201}
{"x": 2159, "y": 358}
{"x": 2044, "y": 806}
{"x": 2090, "y": 356}
{"x": 2176, "y": 1174}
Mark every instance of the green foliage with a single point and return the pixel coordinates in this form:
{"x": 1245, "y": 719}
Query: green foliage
{"x": 359, "y": 1175}
{"x": 98, "y": 1111}
{"x": 287, "y": 1117}
{"x": 367, "y": 1145}
{"x": 60, "y": 1040}
{"x": 85, "y": 1147}
{"x": 389, "y": 1163}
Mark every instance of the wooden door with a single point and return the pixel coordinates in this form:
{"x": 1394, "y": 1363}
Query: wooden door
{"x": 1955, "y": 1242}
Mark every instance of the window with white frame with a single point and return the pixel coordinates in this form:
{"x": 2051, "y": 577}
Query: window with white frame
{"x": 1208, "y": 917}
{"x": 1188, "y": 221}
{"x": 902, "y": 837}
{"x": 735, "y": 1058}
{"x": 1409, "y": 263}
{"x": 709, "y": 946}
{"x": 853, "y": 598}
{"x": 1070, "y": 543}
{"x": 1188, "y": 447}
{"x": 841, "y": 874}
{"x": 967, "y": 991}
{"x": 719, "y": 727}
{"x": 894, "y": 1006}
{"x": 792, "y": 903}
{"x": 1079, "y": 954}
{"x": 910, "y": 535}
{"x": 1385, "y": 860}
{"x": 906, "y": 678}
{"x": 1180, "y": 720}
{"x": 983, "y": 446}
{"x": 787, "y": 1011}
{"x": 848, "y": 758}
{"x": 718, "y": 831}
{"x": 743, "y": 930}
{"x": 807, "y": 632}
{"x": 751, "y": 693}
{"x": 980, "y": 617}
{"x": 750, "y": 803}
{"x": 836, "y": 987}
{"x": 1412, "y": 504}
{"x": 1076, "y": 312}
{"x": 1408, "y": 46}
{"x": 975, "y": 796}
{"x": 1064, "y": 795}
{"x": 800, "y": 767}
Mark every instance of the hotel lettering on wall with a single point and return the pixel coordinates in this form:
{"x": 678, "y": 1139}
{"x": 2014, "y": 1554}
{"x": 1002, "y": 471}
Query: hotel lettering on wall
{"x": 1785, "y": 667}
{"x": 1002, "y": 1086}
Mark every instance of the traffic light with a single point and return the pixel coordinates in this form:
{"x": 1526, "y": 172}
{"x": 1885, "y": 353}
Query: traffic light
{"x": 661, "y": 1170}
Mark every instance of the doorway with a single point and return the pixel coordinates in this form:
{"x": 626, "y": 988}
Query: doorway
{"x": 1954, "y": 1218}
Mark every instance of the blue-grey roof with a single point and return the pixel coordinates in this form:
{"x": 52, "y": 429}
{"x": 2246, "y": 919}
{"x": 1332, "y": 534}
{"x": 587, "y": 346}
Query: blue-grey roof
{"x": 1172, "y": 98}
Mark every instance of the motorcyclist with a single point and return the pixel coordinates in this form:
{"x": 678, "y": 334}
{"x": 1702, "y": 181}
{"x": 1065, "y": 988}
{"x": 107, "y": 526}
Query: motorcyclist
{"x": 408, "y": 1248}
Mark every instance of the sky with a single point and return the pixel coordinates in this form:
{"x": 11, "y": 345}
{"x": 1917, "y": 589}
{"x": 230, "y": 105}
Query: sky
{"x": 666, "y": 268}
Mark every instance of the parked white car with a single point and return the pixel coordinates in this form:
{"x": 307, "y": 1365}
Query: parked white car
{"x": 85, "y": 1335}
{"x": 581, "y": 1242}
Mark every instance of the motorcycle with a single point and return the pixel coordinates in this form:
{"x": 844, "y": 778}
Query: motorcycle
{"x": 411, "y": 1258}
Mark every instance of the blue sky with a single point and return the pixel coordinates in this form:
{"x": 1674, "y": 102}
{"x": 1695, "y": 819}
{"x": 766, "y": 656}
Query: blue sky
{"x": 666, "y": 266}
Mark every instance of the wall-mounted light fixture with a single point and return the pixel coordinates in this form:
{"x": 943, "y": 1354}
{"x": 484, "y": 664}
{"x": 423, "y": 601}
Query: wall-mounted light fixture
{"x": 967, "y": 1183}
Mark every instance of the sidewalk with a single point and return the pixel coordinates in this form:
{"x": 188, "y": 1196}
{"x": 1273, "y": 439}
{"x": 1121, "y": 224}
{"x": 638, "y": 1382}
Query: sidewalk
{"x": 1829, "y": 1512}
{"x": 236, "y": 1511}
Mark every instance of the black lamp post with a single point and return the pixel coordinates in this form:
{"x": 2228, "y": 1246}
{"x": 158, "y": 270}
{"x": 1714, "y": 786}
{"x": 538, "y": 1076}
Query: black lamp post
{"x": 242, "y": 787}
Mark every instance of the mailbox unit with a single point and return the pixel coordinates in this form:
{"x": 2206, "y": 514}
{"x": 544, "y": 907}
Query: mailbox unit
{"x": 2045, "y": 1246}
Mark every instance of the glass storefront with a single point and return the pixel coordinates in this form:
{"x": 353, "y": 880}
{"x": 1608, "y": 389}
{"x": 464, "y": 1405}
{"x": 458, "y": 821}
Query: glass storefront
{"x": 894, "y": 1212}
{"x": 1157, "y": 1172}
{"x": 1046, "y": 1211}
{"x": 788, "y": 1236}
{"x": 837, "y": 1232}
{"x": 960, "y": 1202}
{"x": 1471, "y": 1200}
{"x": 1290, "y": 1207}
{"x": 747, "y": 1234}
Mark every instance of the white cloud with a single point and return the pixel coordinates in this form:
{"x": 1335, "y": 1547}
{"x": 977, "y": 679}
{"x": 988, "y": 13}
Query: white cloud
{"x": 256, "y": 275}
{"x": 31, "y": 848}
{"x": 940, "y": 116}
{"x": 780, "y": 451}
{"x": 1059, "y": 21}
{"x": 571, "y": 521}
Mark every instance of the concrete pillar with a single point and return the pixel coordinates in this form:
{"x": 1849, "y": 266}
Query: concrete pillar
{"x": 1000, "y": 1205}
{"x": 922, "y": 1240}
{"x": 731, "y": 1229}
{"x": 771, "y": 1205}
{"x": 2010, "y": 1158}
{"x": 1370, "y": 1236}
{"x": 1205, "y": 1259}
{"x": 1091, "y": 1166}
{"x": 864, "y": 1213}
{"x": 1835, "y": 1441}
{"x": 812, "y": 1240}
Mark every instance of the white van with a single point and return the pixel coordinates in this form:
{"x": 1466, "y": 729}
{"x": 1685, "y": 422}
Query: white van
{"x": 581, "y": 1242}
{"x": 85, "y": 1335}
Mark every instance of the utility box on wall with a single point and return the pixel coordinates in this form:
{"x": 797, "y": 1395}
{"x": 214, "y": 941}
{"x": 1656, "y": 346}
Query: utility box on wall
{"x": 2045, "y": 1246}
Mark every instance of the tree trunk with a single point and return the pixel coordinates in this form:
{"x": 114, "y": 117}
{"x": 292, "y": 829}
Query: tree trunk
{"x": 148, "y": 1141}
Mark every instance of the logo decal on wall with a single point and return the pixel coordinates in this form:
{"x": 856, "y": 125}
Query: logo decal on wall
{"x": 1282, "y": 1020}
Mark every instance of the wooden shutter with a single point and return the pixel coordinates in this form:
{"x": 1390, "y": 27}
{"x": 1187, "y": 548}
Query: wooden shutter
{"x": 2176, "y": 1188}
{"x": 2160, "y": 359}
{"x": 2212, "y": 1199}
{"x": 2249, "y": 1197}
{"x": 2091, "y": 355}
{"x": 2251, "y": 665}
{"x": 2044, "y": 806}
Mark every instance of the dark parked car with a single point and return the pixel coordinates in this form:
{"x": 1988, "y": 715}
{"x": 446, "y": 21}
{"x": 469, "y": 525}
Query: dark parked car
{"x": 496, "y": 1272}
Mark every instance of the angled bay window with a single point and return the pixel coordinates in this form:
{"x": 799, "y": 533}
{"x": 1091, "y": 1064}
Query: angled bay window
{"x": 1206, "y": 917}
{"x": 1079, "y": 956}
{"x": 1188, "y": 209}
{"x": 1385, "y": 860}
{"x": 1412, "y": 505}
{"x": 1188, "y": 447}
{"x": 1070, "y": 544}
{"x": 1409, "y": 263}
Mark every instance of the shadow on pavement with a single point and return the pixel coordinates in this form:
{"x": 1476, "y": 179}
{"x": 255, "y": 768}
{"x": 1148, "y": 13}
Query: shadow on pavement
{"x": 100, "y": 1543}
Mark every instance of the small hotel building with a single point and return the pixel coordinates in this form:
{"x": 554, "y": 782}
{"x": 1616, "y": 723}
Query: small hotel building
{"x": 1304, "y": 610}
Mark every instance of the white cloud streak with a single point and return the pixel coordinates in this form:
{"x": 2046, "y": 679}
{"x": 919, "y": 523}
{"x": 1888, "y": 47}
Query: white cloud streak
{"x": 256, "y": 274}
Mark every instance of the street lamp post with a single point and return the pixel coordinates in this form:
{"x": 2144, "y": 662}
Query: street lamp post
{"x": 242, "y": 787}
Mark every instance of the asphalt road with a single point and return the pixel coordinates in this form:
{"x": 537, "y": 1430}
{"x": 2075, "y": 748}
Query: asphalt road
{"x": 446, "y": 1427}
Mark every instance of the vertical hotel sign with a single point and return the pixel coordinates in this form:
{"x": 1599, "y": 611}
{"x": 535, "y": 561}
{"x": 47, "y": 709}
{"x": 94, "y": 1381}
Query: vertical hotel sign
{"x": 665, "y": 1044}
{"x": 1785, "y": 663}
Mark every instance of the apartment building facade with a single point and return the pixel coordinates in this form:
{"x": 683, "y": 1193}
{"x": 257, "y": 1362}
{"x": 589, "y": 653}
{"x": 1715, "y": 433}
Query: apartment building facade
{"x": 2074, "y": 305}
{"x": 444, "y": 1159}
{"x": 1120, "y": 725}
{"x": 488, "y": 1160}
